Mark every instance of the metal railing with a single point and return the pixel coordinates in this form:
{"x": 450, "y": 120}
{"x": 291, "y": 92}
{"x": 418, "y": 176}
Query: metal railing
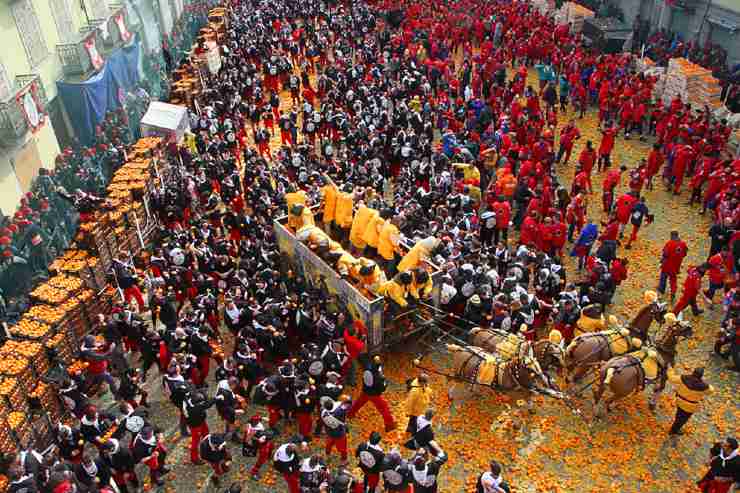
{"x": 13, "y": 124}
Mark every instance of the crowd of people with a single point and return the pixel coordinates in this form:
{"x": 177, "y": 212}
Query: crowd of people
{"x": 401, "y": 144}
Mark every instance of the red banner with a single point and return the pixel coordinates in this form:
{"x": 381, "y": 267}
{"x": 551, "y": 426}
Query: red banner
{"x": 29, "y": 105}
{"x": 92, "y": 51}
{"x": 122, "y": 29}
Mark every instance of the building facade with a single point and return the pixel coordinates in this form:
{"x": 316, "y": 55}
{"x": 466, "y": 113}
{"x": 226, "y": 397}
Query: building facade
{"x": 715, "y": 20}
{"x": 44, "y": 41}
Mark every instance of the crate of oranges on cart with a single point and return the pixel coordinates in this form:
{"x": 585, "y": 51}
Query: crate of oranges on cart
{"x": 32, "y": 351}
{"x": 20, "y": 427}
{"x": 45, "y": 399}
{"x": 12, "y": 396}
{"x": 63, "y": 345}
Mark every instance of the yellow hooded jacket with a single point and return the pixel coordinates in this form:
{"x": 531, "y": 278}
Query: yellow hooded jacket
{"x": 388, "y": 240}
{"x": 686, "y": 398}
{"x": 330, "y": 202}
{"x": 291, "y": 199}
{"x": 372, "y": 231}
{"x": 418, "y": 253}
{"x": 343, "y": 213}
{"x": 421, "y": 290}
{"x": 394, "y": 290}
{"x": 419, "y": 398}
{"x": 359, "y": 225}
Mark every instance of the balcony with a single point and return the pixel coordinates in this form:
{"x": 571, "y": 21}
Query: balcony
{"x": 13, "y": 123}
{"x": 73, "y": 56}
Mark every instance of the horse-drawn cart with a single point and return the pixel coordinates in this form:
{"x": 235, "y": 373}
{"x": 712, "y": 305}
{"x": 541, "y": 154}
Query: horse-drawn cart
{"x": 383, "y": 328}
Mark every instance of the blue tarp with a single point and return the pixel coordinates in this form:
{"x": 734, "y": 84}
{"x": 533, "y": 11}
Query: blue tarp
{"x": 87, "y": 102}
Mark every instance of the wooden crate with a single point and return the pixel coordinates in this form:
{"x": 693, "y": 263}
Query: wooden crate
{"x": 61, "y": 343}
{"x": 12, "y": 396}
{"x": 18, "y": 368}
{"x": 20, "y": 428}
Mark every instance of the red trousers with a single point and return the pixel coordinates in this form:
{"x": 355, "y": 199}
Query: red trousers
{"x": 304, "y": 423}
{"x": 274, "y": 415}
{"x": 133, "y": 292}
{"x": 340, "y": 443}
{"x": 379, "y": 404}
{"x": 285, "y": 137}
{"x": 204, "y": 366}
{"x": 219, "y": 468}
{"x": 264, "y": 454}
{"x": 371, "y": 480}
{"x": 633, "y": 236}
{"x": 196, "y": 434}
{"x": 153, "y": 463}
{"x": 292, "y": 480}
{"x": 685, "y": 300}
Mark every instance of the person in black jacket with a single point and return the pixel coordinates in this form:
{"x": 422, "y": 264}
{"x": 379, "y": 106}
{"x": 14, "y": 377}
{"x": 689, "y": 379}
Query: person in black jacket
{"x": 70, "y": 443}
{"x": 21, "y": 482}
{"x": 425, "y": 471}
{"x": 227, "y": 405}
{"x": 92, "y": 473}
{"x": 177, "y": 388}
{"x": 213, "y": 450}
{"x": 200, "y": 347}
{"x": 371, "y": 456}
{"x": 287, "y": 462}
{"x": 148, "y": 447}
{"x": 194, "y": 409}
{"x": 396, "y": 472}
{"x": 94, "y": 425}
{"x": 122, "y": 464}
{"x": 373, "y": 386}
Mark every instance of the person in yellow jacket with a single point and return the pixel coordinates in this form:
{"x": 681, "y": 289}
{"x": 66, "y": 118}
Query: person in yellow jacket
{"x": 343, "y": 262}
{"x": 359, "y": 225}
{"x": 418, "y": 399}
{"x": 420, "y": 252}
{"x": 329, "y": 191}
{"x": 690, "y": 391}
{"x": 372, "y": 230}
{"x": 292, "y": 199}
{"x": 396, "y": 290}
{"x": 368, "y": 275}
{"x": 300, "y": 216}
{"x": 343, "y": 215}
{"x": 470, "y": 171}
{"x": 389, "y": 245}
{"x": 421, "y": 284}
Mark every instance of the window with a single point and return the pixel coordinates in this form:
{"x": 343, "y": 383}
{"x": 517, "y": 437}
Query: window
{"x": 98, "y": 9}
{"x": 63, "y": 19}
{"x": 6, "y": 86}
{"x": 30, "y": 32}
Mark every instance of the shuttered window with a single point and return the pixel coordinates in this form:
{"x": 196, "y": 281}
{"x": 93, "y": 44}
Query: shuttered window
{"x": 29, "y": 29}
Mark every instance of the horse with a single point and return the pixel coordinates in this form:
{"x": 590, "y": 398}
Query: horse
{"x": 548, "y": 354}
{"x": 630, "y": 373}
{"x": 478, "y": 367}
{"x": 588, "y": 349}
{"x": 640, "y": 325}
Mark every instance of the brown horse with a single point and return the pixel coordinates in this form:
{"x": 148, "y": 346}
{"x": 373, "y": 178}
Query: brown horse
{"x": 586, "y": 350}
{"x": 478, "y": 367}
{"x": 547, "y": 354}
{"x": 640, "y": 325}
{"x": 630, "y": 373}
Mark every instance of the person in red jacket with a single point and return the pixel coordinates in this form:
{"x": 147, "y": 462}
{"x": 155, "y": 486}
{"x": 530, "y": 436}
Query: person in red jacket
{"x": 529, "y": 230}
{"x": 568, "y": 136}
{"x": 618, "y": 270}
{"x": 611, "y": 182}
{"x": 684, "y": 155}
{"x": 674, "y": 251}
{"x": 354, "y": 343}
{"x": 581, "y": 182}
{"x": 625, "y": 203}
{"x": 691, "y": 289}
{"x": 502, "y": 208}
{"x": 611, "y": 232}
{"x": 587, "y": 159}
{"x": 607, "y": 144}
{"x": 559, "y": 233}
{"x": 718, "y": 268}
{"x": 654, "y": 163}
